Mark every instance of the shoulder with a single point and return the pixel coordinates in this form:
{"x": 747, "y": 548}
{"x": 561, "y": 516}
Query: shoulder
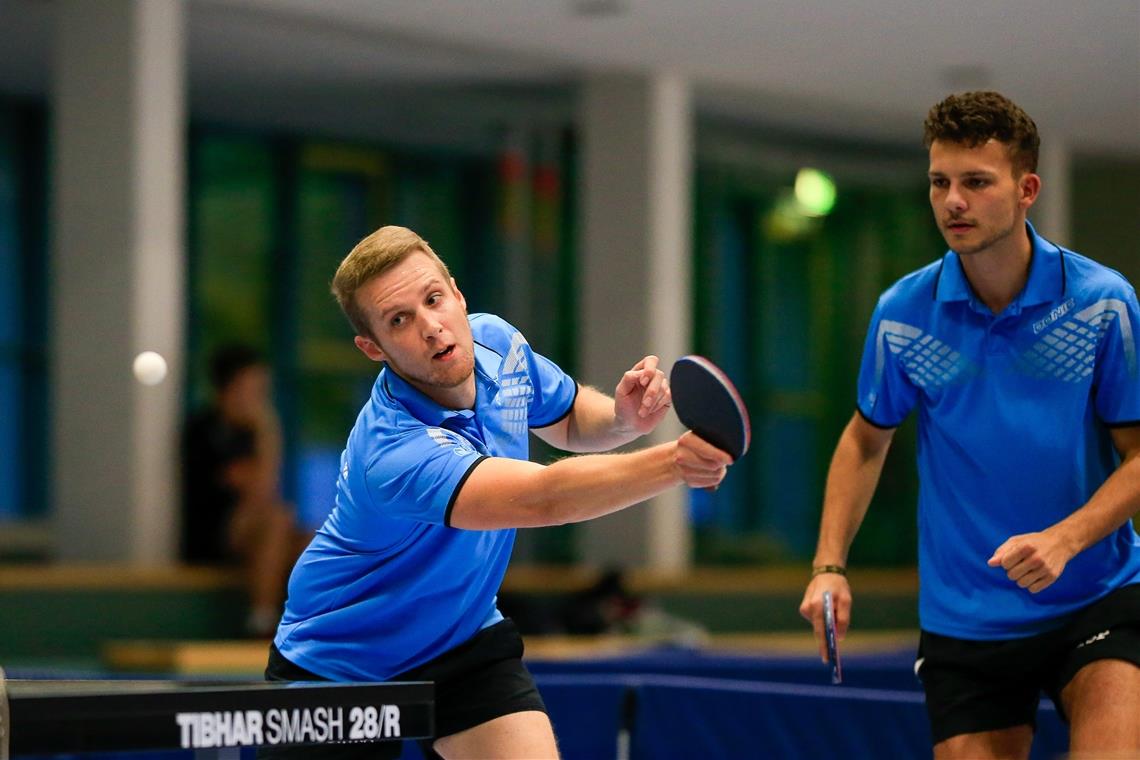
{"x": 391, "y": 444}
{"x": 1089, "y": 278}
{"x": 383, "y": 422}
{"x": 494, "y": 332}
{"x": 914, "y": 289}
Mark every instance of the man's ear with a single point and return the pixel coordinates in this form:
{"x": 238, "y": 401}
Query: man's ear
{"x": 1028, "y": 187}
{"x": 369, "y": 348}
{"x": 455, "y": 288}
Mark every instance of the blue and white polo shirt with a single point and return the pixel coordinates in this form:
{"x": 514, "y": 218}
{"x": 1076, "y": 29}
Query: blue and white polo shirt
{"x": 387, "y": 585}
{"x": 1013, "y": 428}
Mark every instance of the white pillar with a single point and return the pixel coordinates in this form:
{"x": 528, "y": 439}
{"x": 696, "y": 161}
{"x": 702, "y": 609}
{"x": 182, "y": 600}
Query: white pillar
{"x": 636, "y": 219}
{"x": 1053, "y": 217}
{"x": 117, "y": 264}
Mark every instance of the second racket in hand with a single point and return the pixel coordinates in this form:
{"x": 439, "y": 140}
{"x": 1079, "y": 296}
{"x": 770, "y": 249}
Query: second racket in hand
{"x": 832, "y": 638}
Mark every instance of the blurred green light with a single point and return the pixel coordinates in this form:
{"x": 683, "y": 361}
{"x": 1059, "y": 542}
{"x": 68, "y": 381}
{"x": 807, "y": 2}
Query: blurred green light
{"x": 787, "y": 221}
{"x": 815, "y": 192}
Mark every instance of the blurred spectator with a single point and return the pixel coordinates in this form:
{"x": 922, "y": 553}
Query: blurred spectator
{"x": 605, "y": 607}
{"x": 232, "y": 510}
{"x": 610, "y": 607}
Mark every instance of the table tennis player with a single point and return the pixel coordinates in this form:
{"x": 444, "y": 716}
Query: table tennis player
{"x": 1020, "y": 357}
{"x": 400, "y": 583}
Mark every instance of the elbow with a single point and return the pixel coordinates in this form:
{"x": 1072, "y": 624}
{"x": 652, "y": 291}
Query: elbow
{"x": 546, "y": 508}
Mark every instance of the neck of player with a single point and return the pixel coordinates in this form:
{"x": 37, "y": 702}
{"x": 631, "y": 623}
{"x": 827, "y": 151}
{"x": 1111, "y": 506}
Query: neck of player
{"x": 461, "y": 396}
{"x": 999, "y": 272}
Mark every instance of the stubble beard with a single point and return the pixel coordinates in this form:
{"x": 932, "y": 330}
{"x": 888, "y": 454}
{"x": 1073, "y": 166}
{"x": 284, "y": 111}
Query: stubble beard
{"x": 985, "y": 244}
{"x": 442, "y": 378}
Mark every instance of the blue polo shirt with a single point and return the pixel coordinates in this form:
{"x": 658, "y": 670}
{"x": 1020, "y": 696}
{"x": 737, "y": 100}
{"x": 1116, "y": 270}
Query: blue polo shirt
{"x": 386, "y": 584}
{"x": 1013, "y": 418}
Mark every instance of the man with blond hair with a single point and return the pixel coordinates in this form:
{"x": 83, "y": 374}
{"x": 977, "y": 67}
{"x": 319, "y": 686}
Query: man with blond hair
{"x": 400, "y": 583}
{"x": 1020, "y": 358}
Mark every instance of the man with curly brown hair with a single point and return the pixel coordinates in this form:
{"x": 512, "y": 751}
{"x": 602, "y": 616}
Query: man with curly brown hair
{"x": 1020, "y": 357}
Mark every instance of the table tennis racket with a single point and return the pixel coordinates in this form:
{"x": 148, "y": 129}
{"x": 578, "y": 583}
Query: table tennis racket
{"x": 831, "y": 638}
{"x": 708, "y": 404}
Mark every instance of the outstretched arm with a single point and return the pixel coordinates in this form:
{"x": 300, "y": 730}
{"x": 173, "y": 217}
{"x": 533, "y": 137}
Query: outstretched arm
{"x": 511, "y": 493}
{"x": 1035, "y": 560}
{"x": 851, "y": 481}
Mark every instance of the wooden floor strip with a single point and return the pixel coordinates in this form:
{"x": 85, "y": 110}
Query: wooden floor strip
{"x": 248, "y": 657}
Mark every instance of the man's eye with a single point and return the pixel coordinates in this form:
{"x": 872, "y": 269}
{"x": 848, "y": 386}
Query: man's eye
{"x": 975, "y": 183}
{"x": 434, "y": 298}
{"x": 397, "y": 320}
{"x": 938, "y": 182}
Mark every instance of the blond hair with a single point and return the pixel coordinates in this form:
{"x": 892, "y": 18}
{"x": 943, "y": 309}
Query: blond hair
{"x": 372, "y": 257}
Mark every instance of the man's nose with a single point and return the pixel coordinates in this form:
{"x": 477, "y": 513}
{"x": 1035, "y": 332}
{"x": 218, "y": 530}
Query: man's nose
{"x": 432, "y": 327}
{"x": 955, "y": 201}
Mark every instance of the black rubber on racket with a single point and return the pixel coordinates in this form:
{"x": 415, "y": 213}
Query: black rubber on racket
{"x": 708, "y": 404}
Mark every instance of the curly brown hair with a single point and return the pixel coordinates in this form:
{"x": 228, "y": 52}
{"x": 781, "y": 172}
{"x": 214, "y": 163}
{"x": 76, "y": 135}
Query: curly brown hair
{"x": 972, "y": 118}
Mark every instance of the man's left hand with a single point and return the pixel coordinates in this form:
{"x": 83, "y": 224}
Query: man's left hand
{"x": 642, "y": 397}
{"x": 1032, "y": 560}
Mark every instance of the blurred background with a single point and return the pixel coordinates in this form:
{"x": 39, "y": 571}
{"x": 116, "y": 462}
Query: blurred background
{"x": 614, "y": 177}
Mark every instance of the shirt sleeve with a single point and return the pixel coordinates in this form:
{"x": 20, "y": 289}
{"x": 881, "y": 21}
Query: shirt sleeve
{"x": 418, "y": 474}
{"x": 886, "y": 394}
{"x": 1116, "y": 377}
{"x": 554, "y": 391}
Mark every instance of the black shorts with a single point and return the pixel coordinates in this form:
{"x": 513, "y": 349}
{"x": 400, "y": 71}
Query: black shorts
{"x": 976, "y": 686}
{"x": 482, "y": 679}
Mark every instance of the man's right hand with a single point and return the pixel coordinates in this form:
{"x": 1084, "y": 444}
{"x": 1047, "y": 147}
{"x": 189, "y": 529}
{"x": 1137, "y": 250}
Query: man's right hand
{"x": 811, "y": 608}
{"x": 699, "y": 463}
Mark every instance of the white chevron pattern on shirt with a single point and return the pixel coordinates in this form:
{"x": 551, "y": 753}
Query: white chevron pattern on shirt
{"x": 1067, "y": 352}
{"x": 928, "y": 361}
{"x": 515, "y": 389}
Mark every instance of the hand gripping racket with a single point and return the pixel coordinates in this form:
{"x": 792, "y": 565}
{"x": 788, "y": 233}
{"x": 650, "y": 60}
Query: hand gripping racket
{"x": 832, "y": 639}
{"x": 708, "y": 404}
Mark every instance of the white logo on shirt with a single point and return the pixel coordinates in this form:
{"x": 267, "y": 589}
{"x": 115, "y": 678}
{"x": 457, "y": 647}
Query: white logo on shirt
{"x": 516, "y": 359}
{"x": 1053, "y": 316}
{"x": 1068, "y": 350}
{"x": 515, "y": 389}
{"x": 450, "y": 440}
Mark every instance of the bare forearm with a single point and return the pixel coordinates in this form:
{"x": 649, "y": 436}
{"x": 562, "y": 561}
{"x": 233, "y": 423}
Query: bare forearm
{"x": 593, "y": 426}
{"x": 1116, "y": 502}
{"x": 851, "y": 482}
{"x": 581, "y": 488}
{"x": 508, "y": 493}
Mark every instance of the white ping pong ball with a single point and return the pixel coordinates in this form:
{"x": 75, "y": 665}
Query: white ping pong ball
{"x": 149, "y": 368}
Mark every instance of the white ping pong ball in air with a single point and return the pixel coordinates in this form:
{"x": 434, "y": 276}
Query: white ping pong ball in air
{"x": 149, "y": 368}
